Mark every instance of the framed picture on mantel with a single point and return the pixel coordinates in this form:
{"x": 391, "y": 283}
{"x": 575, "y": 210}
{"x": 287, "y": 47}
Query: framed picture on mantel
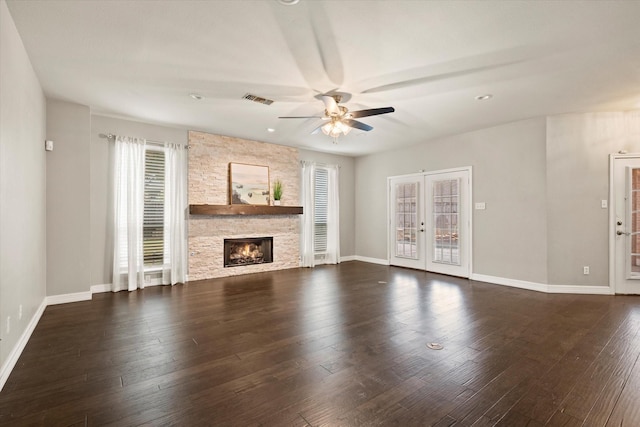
{"x": 248, "y": 184}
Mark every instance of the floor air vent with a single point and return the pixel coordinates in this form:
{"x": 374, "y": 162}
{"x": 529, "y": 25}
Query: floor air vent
{"x": 259, "y": 99}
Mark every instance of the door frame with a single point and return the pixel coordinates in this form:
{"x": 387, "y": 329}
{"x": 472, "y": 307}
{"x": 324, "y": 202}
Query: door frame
{"x": 612, "y": 216}
{"x": 422, "y": 173}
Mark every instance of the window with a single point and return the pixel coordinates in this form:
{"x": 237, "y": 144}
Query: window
{"x": 149, "y": 201}
{"x": 153, "y": 221}
{"x": 153, "y": 247}
{"x": 320, "y": 239}
{"x": 321, "y": 186}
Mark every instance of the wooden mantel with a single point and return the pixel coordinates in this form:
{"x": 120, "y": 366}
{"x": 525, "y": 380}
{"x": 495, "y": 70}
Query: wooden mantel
{"x": 244, "y": 210}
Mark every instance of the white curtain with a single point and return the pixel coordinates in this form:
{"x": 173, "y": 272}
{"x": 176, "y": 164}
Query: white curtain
{"x": 128, "y": 188}
{"x": 175, "y": 205}
{"x": 307, "y": 255}
{"x": 333, "y": 215}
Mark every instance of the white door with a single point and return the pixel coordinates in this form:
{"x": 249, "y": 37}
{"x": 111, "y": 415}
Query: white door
{"x": 625, "y": 215}
{"x": 406, "y": 215}
{"x": 429, "y": 217}
{"x": 447, "y": 220}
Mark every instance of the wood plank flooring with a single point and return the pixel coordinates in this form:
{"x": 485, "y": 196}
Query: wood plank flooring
{"x": 331, "y": 346}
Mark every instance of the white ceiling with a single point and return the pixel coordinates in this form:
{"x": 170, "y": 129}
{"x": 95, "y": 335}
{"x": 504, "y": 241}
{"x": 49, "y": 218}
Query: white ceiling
{"x": 428, "y": 59}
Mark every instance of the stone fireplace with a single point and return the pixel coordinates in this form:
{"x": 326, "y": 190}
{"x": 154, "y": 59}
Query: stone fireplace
{"x": 248, "y": 251}
{"x": 209, "y": 159}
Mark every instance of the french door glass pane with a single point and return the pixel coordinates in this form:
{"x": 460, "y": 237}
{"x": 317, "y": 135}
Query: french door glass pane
{"x": 406, "y": 220}
{"x": 445, "y": 219}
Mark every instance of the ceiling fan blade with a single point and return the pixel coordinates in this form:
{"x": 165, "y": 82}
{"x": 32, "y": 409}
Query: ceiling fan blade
{"x": 331, "y": 105}
{"x": 371, "y": 112}
{"x": 301, "y": 117}
{"x": 357, "y": 125}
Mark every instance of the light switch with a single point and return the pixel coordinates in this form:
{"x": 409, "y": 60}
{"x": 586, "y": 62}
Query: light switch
{"x": 481, "y": 206}
{"x": 604, "y": 204}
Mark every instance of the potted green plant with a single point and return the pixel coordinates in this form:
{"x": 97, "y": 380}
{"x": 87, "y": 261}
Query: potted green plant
{"x": 277, "y": 192}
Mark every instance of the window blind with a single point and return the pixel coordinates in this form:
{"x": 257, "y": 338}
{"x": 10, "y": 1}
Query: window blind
{"x": 321, "y": 185}
{"x": 153, "y": 223}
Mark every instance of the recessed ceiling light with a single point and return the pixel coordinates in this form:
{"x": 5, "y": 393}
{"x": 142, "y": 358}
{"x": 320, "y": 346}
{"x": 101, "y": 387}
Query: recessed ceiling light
{"x": 271, "y": 130}
{"x": 484, "y": 97}
{"x": 288, "y": 2}
{"x": 196, "y": 96}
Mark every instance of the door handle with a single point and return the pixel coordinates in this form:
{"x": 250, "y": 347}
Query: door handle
{"x": 620, "y": 233}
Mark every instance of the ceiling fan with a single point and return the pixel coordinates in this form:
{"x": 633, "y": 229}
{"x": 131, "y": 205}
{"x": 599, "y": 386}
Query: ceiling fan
{"x": 339, "y": 119}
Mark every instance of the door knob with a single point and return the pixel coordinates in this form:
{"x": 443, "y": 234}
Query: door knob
{"x": 620, "y": 233}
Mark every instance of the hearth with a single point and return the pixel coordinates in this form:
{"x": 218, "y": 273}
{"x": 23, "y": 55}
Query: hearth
{"x": 248, "y": 251}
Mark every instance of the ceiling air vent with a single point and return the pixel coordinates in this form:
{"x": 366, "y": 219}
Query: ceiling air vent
{"x": 259, "y": 99}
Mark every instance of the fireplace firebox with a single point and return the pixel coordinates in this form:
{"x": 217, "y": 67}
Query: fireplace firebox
{"x": 248, "y": 251}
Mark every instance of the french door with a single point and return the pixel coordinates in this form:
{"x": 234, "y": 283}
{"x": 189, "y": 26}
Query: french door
{"x": 625, "y": 227}
{"x": 406, "y": 235}
{"x": 430, "y": 227}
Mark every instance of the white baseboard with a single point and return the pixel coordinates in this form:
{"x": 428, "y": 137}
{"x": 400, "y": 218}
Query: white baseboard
{"x": 543, "y": 287}
{"x": 514, "y": 283}
{"x": 66, "y": 298}
{"x": 371, "y": 260}
{"x": 587, "y": 290}
{"x": 347, "y": 258}
{"x": 11, "y": 361}
{"x": 97, "y": 289}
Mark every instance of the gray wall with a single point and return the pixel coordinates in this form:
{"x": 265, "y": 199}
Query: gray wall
{"x": 68, "y": 166}
{"x": 347, "y": 196}
{"x": 23, "y": 257}
{"x": 101, "y": 150}
{"x": 578, "y": 148}
{"x": 509, "y": 175}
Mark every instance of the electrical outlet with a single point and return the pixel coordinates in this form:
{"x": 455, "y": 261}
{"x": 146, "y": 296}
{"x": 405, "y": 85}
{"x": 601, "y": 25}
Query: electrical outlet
{"x": 8, "y": 324}
{"x": 20, "y": 312}
{"x": 585, "y": 269}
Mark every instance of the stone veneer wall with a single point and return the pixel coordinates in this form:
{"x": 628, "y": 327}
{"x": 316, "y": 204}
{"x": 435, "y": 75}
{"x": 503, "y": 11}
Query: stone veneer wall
{"x": 209, "y": 159}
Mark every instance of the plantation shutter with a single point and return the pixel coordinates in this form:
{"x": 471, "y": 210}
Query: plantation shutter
{"x": 321, "y": 197}
{"x": 153, "y": 223}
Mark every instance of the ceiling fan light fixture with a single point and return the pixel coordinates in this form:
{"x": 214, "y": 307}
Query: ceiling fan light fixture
{"x": 345, "y": 129}
{"x": 335, "y": 128}
{"x": 338, "y": 119}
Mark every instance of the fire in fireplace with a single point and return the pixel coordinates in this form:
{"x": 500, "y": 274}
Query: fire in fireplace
{"x": 248, "y": 251}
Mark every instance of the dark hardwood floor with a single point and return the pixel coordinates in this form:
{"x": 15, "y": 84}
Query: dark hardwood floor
{"x": 336, "y": 345}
